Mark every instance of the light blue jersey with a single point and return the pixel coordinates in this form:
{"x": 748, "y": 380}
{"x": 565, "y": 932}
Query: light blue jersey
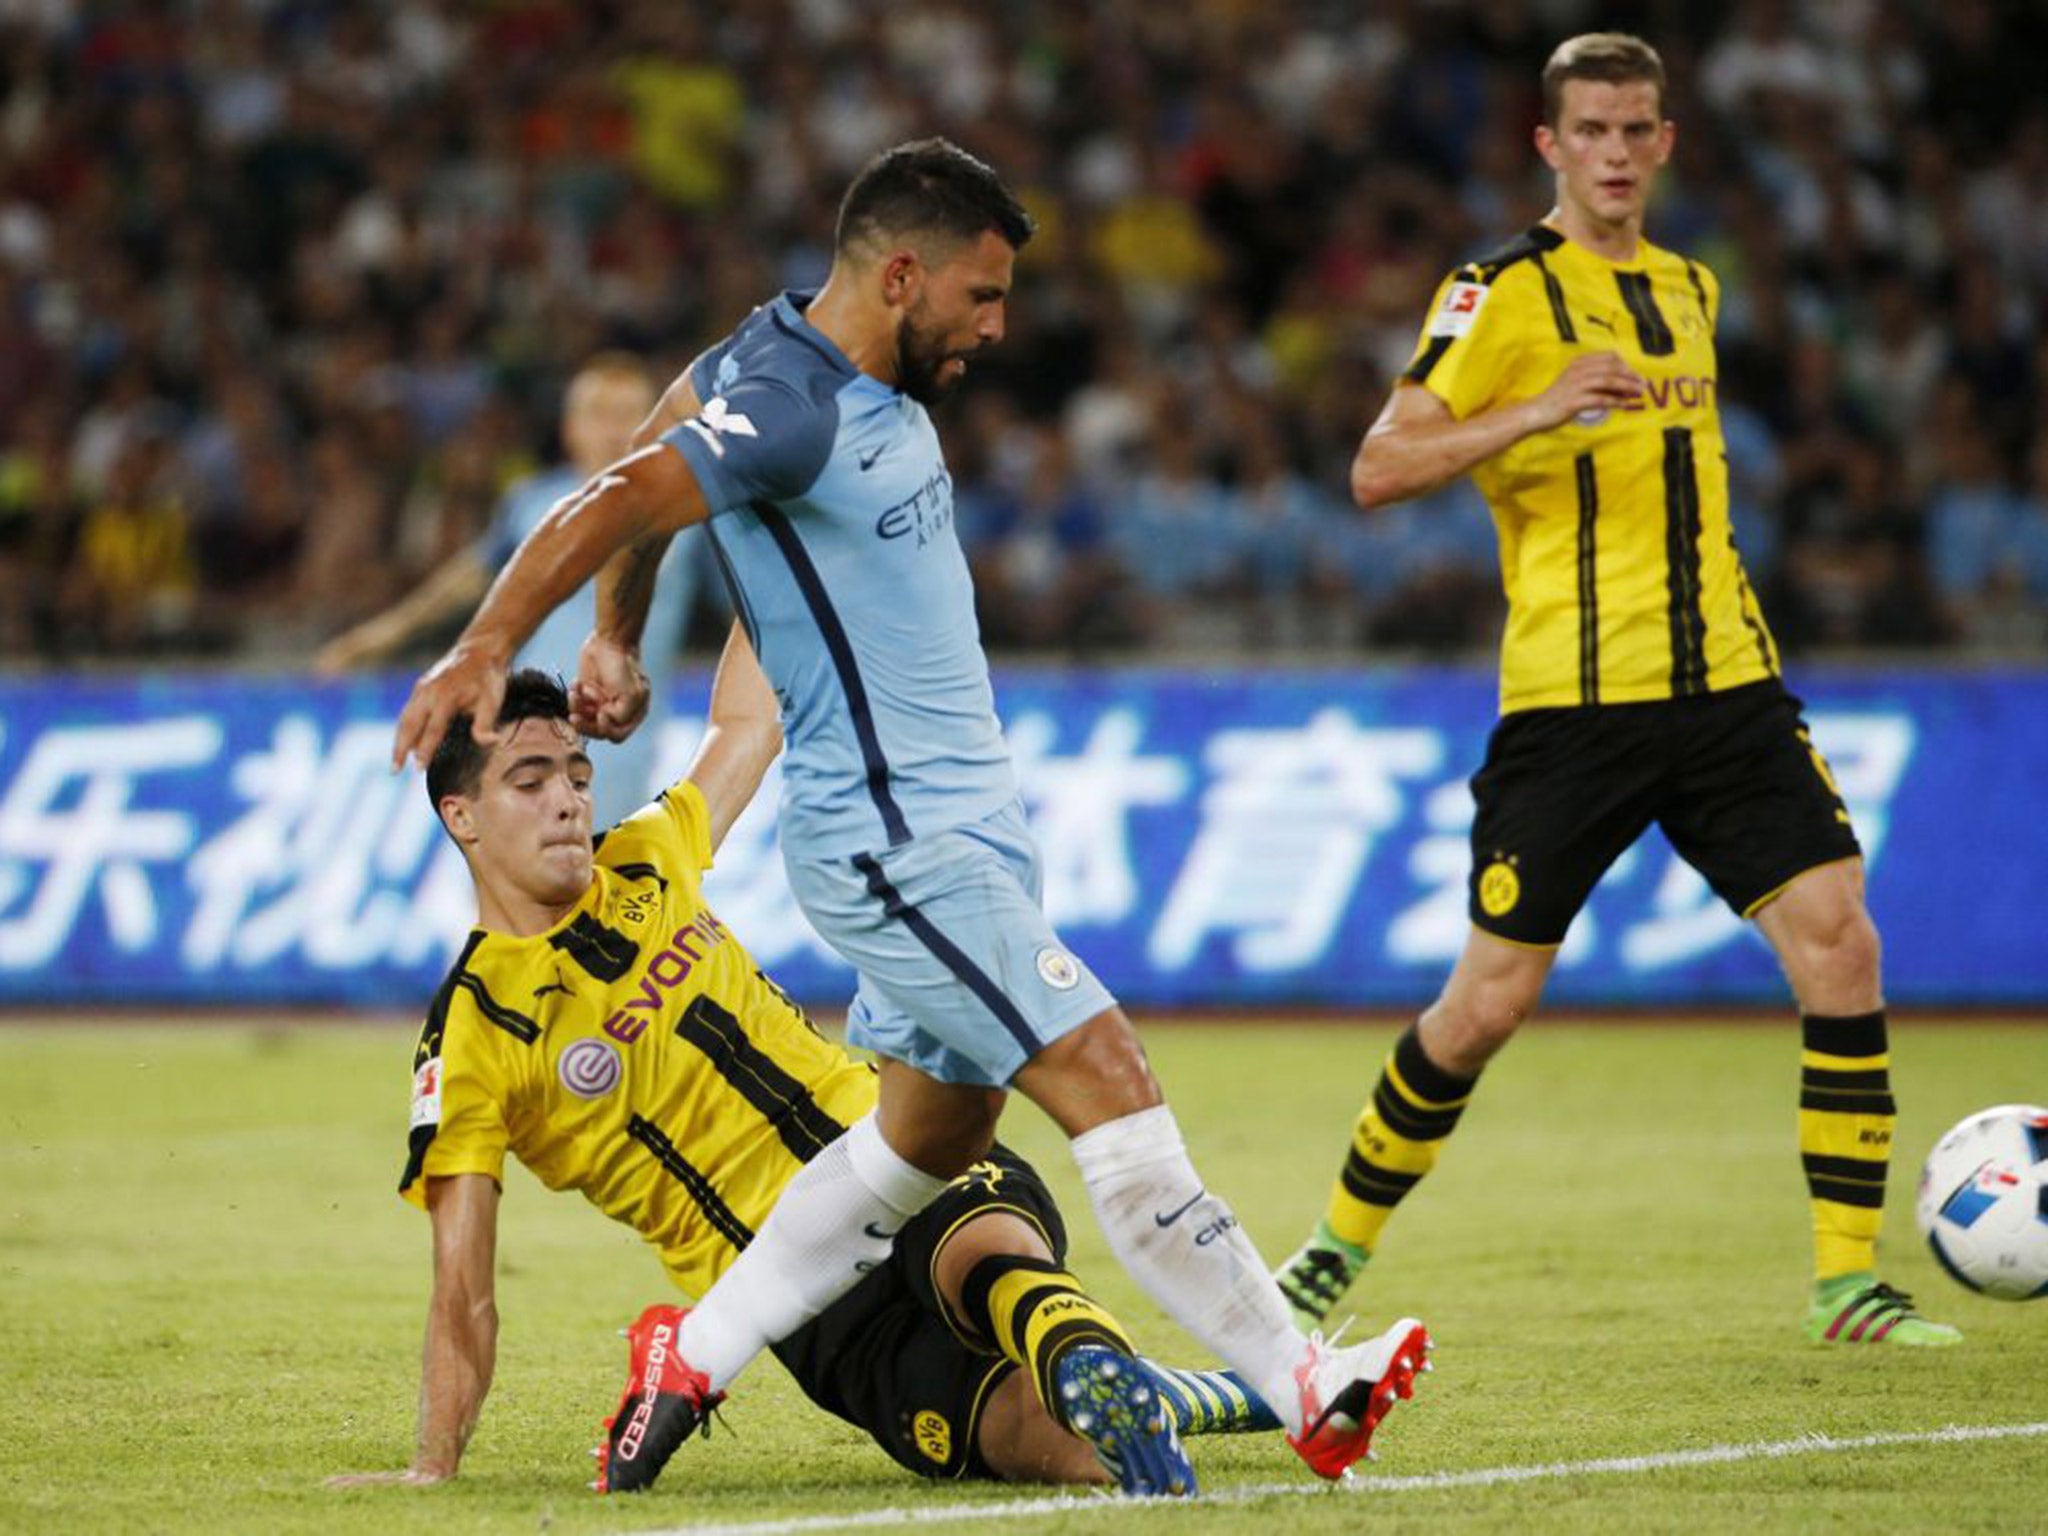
{"x": 832, "y": 516}
{"x": 833, "y": 522}
{"x": 624, "y": 770}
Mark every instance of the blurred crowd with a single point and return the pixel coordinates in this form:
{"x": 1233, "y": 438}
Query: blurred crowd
{"x": 289, "y": 290}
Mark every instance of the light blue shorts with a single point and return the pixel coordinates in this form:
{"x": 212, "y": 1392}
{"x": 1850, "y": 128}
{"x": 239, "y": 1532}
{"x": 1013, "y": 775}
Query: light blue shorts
{"x": 961, "y": 976}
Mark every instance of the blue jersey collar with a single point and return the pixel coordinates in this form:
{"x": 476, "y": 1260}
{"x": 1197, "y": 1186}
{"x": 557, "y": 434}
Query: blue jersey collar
{"x": 788, "y": 313}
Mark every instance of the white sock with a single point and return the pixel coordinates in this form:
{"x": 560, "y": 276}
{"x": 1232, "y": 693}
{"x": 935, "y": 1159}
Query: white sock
{"x": 1183, "y": 1245}
{"x": 832, "y": 1224}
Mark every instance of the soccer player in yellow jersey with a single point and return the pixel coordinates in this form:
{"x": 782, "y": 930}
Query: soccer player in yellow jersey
{"x": 1572, "y": 375}
{"x": 605, "y": 1028}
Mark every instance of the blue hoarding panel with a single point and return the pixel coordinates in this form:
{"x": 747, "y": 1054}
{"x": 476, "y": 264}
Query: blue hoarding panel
{"x": 1233, "y": 838}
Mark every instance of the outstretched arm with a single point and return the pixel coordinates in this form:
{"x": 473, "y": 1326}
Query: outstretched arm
{"x": 744, "y": 734}
{"x": 462, "y": 1330}
{"x": 1417, "y": 445}
{"x": 452, "y": 587}
{"x": 648, "y": 492}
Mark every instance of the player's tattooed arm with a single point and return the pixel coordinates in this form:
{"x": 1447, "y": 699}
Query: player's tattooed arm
{"x": 629, "y": 582}
{"x": 649, "y": 492}
{"x": 610, "y": 696}
{"x": 626, "y": 585}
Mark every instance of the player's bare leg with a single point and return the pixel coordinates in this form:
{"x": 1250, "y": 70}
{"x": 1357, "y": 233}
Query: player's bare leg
{"x": 1021, "y": 1443}
{"x": 942, "y": 1128}
{"x": 1824, "y": 938}
{"x": 1183, "y": 1243}
{"x": 1422, "y": 1091}
{"x": 1493, "y": 991}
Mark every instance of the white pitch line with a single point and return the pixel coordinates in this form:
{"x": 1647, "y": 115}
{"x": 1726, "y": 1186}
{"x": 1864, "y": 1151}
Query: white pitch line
{"x": 1426, "y": 1482}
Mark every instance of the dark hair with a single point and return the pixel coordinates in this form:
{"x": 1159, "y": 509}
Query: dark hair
{"x": 929, "y": 186}
{"x": 458, "y": 765}
{"x": 1613, "y": 57}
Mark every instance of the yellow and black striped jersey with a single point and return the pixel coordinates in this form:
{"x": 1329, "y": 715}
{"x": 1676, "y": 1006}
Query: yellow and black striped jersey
{"x": 1622, "y": 578}
{"x": 632, "y": 1052}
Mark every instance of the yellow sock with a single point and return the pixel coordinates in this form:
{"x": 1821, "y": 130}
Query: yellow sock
{"x": 1414, "y": 1106}
{"x": 1034, "y": 1312}
{"x": 1846, "y": 1118}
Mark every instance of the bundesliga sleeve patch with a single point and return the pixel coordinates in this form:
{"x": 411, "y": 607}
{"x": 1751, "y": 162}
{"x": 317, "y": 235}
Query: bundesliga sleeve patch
{"x": 426, "y": 1094}
{"x": 1459, "y": 309}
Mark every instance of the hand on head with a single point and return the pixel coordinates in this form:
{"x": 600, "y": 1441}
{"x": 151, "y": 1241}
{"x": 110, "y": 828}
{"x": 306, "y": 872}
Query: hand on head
{"x": 465, "y": 681}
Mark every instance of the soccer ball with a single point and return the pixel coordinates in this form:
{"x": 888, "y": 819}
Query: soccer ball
{"x": 1983, "y": 1201}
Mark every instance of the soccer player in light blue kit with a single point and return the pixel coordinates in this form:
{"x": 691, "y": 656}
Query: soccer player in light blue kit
{"x": 608, "y": 398}
{"x": 802, "y": 442}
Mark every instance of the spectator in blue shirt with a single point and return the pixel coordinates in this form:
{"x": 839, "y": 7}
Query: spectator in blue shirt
{"x": 604, "y": 403}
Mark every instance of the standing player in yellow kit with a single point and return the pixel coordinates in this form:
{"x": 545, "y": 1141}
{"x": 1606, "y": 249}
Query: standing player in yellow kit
{"x": 1572, "y": 374}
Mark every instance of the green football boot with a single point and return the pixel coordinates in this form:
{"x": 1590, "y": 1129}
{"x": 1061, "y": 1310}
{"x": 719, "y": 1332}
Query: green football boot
{"x": 1861, "y": 1309}
{"x": 1321, "y": 1270}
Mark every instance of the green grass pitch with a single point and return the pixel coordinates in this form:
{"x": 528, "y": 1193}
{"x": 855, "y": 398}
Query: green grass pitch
{"x": 210, "y": 1299}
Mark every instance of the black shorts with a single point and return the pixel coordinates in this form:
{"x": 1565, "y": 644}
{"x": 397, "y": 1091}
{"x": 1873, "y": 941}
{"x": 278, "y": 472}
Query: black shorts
{"x": 888, "y": 1358}
{"x": 1732, "y": 778}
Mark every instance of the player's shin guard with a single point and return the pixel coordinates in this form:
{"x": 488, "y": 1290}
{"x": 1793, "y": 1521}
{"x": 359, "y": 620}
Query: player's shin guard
{"x": 1414, "y": 1107}
{"x": 1846, "y": 1117}
{"x": 833, "y": 1223}
{"x": 1184, "y": 1246}
{"x": 1034, "y": 1312}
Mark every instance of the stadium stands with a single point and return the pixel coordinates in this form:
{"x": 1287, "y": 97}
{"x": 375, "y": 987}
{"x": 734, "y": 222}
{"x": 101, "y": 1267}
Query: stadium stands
{"x": 288, "y": 292}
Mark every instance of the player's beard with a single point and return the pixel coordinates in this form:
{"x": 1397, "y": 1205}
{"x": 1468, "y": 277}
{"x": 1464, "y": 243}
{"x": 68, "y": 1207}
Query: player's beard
{"x": 920, "y": 354}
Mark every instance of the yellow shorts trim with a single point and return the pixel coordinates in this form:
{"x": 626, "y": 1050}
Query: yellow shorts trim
{"x": 1780, "y": 889}
{"x": 1546, "y": 949}
{"x": 970, "y": 1440}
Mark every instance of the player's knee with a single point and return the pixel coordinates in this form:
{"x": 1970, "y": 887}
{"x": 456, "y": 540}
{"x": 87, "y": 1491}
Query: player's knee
{"x": 1471, "y": 1022}
{"x": 977, "y": 1253}
{"x": 1091, "y": 1075}
{"x": 941, "y": 1129}
{"x": 1840, "y": 946}
{"x": 949, "y": 1150}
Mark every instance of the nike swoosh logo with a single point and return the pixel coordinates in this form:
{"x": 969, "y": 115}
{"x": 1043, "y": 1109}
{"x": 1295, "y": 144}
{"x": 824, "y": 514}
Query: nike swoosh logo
{"x": 1171, "y": 1217}
{"x": 867, "y": 460}
{"x": 1603, "y": 324}
{"x": 877, "y": 1233}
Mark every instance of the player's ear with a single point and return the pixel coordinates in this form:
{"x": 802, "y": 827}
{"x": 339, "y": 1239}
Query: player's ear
{"x": 458, "y": 818}
{"x": 902, "y": 277}
{"x": 1546, "y": 144}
